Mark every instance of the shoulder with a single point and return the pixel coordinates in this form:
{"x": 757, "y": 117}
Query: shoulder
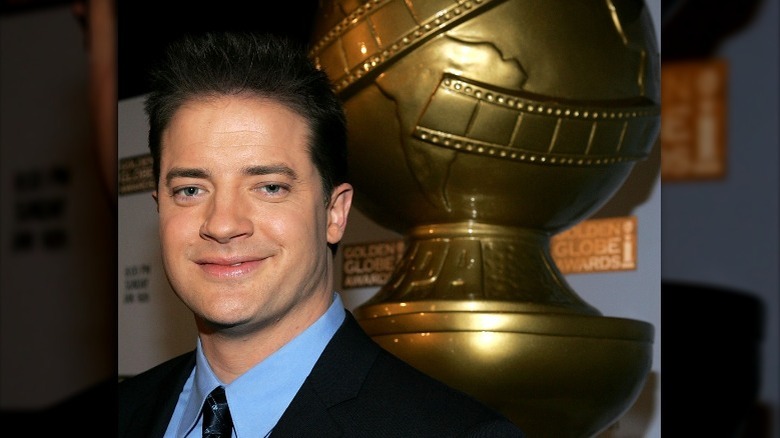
{"x": 146, "y": 400}
{"x": 167, "y": 373}
{"x": 392, "y": 395}
{"x": 438, "y": 406}
{"x": 401, "y": 401}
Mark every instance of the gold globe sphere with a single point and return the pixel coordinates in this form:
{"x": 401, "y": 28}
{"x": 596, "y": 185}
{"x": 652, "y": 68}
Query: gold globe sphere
{"x": 479, "y": 129}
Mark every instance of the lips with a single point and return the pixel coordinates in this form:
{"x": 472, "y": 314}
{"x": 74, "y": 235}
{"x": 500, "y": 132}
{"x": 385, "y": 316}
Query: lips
{"x": 229, "y": 268}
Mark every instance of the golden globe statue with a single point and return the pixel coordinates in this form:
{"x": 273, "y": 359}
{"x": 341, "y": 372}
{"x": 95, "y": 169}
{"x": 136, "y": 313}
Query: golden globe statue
{"x": 479, "y": 129}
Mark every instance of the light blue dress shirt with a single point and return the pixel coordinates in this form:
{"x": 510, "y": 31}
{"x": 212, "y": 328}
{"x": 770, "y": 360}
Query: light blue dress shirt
{"x": 259, "y": 397}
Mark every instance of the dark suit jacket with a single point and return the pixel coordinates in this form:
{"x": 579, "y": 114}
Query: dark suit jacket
{"x": 356, "y": 389}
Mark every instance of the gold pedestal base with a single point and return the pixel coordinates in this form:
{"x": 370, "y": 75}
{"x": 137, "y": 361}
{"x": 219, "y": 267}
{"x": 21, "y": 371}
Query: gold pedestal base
{"x": 555, "y": 375}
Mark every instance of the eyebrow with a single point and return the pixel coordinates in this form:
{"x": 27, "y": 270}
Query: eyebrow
{"x": 183, "y": 172}
{"x": 280, "y": 169}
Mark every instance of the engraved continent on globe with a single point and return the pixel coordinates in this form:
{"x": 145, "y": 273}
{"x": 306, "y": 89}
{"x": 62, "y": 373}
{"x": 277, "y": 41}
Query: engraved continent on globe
{"x": 442, "y": 94}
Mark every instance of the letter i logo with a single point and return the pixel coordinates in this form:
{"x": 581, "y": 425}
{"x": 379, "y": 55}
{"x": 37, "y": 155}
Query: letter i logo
{"x": 629, "y": 248}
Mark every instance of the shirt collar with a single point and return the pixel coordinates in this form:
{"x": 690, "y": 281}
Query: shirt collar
{"x": 259, "y": 397}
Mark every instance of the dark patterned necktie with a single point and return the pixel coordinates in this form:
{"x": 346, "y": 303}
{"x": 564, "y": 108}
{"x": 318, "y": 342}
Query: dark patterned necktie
{"x": 216, "y": 415}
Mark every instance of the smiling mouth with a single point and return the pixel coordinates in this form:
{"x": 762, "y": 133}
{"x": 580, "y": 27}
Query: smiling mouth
{"x": 233, "y": 270}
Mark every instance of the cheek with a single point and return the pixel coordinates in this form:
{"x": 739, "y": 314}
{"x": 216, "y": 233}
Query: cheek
{"x": 280, "y": 227}
{"x": 175, "y": 230}
{"x": 297, "y": 226}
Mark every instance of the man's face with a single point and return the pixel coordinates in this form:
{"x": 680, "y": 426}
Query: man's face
{"x": 243, "y": 223}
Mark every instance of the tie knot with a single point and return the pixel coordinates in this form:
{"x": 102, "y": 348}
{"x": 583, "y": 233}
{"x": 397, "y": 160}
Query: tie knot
{"x": 217, "y": 422}
{"x": 217, "y": 395}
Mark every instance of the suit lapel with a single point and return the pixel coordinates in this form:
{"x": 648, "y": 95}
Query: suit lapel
{"x": 152, "y": 418}
{"x": 336, "y": 377}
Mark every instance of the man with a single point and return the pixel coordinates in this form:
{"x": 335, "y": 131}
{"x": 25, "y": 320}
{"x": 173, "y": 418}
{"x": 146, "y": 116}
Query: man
{"x": 249, "y": 149}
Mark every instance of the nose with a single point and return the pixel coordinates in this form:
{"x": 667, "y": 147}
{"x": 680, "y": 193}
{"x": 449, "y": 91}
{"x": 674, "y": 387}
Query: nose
{"x": 227, "y": 219}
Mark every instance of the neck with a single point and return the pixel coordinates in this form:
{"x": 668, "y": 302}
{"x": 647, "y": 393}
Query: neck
{"x": 232, "y": 351}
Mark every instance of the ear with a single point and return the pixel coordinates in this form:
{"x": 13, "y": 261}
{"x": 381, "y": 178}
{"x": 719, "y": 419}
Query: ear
{"x": 338, "y": 211}
{"x": 156, "y": 200}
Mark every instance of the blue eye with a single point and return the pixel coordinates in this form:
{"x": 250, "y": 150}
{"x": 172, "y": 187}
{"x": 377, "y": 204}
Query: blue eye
{"x": 274, "y": 191}
{"x": 187, "y": 191}
{"x": 273, "y": 188}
